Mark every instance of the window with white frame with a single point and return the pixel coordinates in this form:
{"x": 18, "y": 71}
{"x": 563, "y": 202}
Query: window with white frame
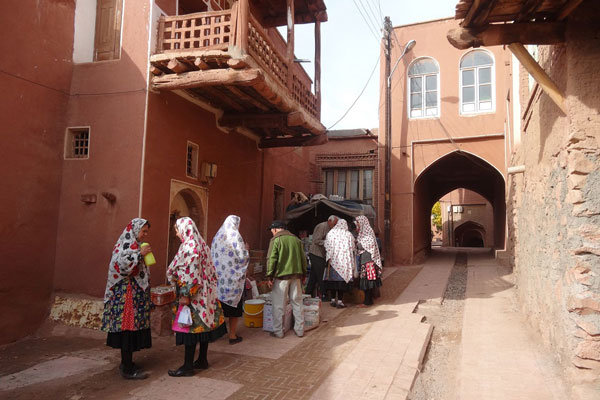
{"x": 477, "y": 82}
{"x": 424, "y": 82}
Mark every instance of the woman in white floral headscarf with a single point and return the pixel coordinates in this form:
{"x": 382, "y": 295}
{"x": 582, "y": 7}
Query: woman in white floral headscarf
{"x": 370, "y": 260}
{"x": 194, "y": 275}
{"x": 230, "y": 256}
{"x": 341, "y": 260}
{"x": 126, "y": 315}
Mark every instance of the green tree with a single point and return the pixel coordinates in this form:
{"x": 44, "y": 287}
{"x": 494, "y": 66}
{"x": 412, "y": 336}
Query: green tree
{"x": 436, "y": 215}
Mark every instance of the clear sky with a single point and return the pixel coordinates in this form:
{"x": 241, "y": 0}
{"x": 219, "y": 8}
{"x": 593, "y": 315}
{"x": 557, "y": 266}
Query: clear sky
{"x": 350, "y": 50}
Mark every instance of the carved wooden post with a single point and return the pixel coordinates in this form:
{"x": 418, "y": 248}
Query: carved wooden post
{"x": 290, "y": 43}
{"x": 243, "y": 22}
{"x": 318, "y": 66}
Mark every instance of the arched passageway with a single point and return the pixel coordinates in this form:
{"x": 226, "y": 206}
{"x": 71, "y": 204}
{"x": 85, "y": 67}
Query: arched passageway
{"x": 186, "y": 203}
{"x": 458, "y": 169}
{"x": 469, "y": 234}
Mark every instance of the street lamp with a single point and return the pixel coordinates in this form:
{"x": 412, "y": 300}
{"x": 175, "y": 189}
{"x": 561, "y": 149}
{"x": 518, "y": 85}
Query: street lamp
{"x": 406, "y": 49}
{"x": 388, "y": 136}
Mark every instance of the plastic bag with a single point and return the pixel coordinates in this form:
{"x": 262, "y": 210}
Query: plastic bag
{"x": 254, "y": 289}
{"x": 185, "y": 316}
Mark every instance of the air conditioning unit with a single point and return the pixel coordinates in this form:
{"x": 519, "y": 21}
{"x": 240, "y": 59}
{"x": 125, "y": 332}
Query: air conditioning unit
{"x": 209, "y": 171}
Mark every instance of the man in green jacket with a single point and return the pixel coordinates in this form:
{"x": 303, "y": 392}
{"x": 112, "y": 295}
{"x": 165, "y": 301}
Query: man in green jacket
{"x": 286, "y": 267}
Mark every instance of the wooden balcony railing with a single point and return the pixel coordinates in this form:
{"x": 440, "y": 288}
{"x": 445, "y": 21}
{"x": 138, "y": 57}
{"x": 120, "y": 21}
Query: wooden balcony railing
{"x": 217, "y": 30}
{"x": 205, "y": 30}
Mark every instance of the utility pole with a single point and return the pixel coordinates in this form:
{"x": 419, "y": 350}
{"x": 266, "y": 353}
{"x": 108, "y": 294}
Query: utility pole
{"x": 387, "y": 208}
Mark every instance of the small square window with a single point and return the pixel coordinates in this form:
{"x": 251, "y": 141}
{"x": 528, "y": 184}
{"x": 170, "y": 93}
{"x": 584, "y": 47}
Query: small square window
{"x": 191, "y": 166}
{"x": 77, "y": 143}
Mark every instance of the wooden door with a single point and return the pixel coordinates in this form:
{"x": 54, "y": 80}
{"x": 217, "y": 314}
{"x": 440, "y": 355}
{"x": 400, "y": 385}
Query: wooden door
{"x": 107, "y": 43}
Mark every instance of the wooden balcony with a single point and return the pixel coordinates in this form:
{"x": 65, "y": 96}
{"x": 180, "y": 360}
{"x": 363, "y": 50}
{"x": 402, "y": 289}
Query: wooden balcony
{"x": 228, "y": 61}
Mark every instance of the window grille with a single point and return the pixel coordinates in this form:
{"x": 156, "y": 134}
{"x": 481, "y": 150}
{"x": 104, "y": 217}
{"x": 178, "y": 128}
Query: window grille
{"x": 77, "y": 143}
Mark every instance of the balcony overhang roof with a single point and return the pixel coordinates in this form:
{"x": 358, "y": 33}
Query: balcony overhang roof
{"x": 477, "y": 13}
{"x": 515, "y": 23}
{"x": 273, "y": 13}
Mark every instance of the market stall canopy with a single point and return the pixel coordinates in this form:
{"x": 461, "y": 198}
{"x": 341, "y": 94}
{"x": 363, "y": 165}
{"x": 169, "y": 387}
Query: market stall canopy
{"x": 306, "y": 216}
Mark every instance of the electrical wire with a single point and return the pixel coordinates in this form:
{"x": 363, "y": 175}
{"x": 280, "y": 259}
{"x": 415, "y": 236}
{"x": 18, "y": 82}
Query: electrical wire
{"x": 372, "y": 21}
{"x": 67, "y": 93}
{"x": 366, "y": 22}
{"x": 359, "y": 95}
{"x": 380, "y": 21}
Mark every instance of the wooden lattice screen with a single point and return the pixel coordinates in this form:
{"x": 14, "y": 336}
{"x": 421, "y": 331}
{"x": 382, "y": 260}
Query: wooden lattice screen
{"x": 195, "y": 31}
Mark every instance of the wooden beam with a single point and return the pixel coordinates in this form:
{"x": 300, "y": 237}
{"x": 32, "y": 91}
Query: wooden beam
{"x": 300, "y": 18}
{"x": 497, "y": 34}
{"x": 254, "y": 120}
{"x": 201, "y": 64}
{"x": 478, "y": 13}
{"x": 567, "y": 9}
{"x": 290, "y": 43}
{"x": 247, "y": 98}
{"x": 213, "y": 77}
{"x": 177, "y": 66}
{"x": 222, "y": 98}
{"x": 236, "y": 63}
{"x": 242, "y": 25}
{"x": 528, "y": 10}
{"x": 272, "y": 120}
{"x": 318, "y": 65}
{"x": 539, "y": 75}
{"x": 293, "y": 142}
{"x": 155, "y": 70}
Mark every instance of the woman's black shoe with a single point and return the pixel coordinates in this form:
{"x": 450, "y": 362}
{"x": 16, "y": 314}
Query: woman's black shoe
{"x": 136, "y": 374}
{"x": 201, "y": 364}
{"x": 236, "y": 340}
{"x": 181, "y": 371}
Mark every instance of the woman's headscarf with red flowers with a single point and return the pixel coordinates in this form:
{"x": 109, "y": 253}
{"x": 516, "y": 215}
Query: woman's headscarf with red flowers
{"x": 126, "y": 257}
{"x": 193, "y": 271}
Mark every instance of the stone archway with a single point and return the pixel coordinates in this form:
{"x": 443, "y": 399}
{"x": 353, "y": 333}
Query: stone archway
{"x": 186, "y": 201}
{"x": 457, "y": 169}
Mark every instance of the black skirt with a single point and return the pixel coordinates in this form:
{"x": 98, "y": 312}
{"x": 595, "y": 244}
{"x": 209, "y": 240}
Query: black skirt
{"x": 234, "y": 312}
{"x": 190, "y": 339}
{"x": 130, "y": 340}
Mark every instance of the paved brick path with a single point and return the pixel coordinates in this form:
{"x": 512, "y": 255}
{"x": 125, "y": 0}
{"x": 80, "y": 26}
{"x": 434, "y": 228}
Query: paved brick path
{"x": 260, "y": 367}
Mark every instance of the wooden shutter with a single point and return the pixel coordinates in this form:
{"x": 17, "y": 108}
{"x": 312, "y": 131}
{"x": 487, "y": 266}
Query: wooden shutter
{"x": 108, "y": 30}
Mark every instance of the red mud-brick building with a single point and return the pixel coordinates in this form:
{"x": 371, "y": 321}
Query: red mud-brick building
{"x": 448, "y": 111}
{"x": 121, "y": 108}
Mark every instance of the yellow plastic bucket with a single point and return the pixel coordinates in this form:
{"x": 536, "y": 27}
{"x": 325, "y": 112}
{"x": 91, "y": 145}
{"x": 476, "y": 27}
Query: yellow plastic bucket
{"x": 253, "y": 313}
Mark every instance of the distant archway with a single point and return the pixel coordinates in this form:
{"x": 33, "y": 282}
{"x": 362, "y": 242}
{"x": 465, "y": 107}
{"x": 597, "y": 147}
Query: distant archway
{"x": 470, "y": 234}
{"x": 458, "y": 169}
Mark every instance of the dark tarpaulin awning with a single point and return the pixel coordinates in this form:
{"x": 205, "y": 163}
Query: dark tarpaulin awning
{"x": 306, "y": 216}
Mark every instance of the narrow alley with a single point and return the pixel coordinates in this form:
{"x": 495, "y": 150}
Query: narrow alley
{"x": 373, "y": 353}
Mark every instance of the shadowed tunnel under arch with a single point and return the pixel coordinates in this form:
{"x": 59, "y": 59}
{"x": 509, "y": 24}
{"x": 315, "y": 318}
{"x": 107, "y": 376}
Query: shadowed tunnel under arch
{"x": 458, "y": 169}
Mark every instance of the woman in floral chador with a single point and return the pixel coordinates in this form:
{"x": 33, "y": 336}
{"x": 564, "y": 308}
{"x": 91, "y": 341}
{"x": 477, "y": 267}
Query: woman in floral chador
{"x": 126, "y": 315}
{"x": 341, "y": 260}
{"x": 194, "y": 275}
{"x": 370, "y": 260}
{"x": 230, "y": 257}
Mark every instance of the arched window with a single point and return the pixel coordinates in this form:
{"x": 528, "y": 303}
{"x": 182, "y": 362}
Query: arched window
{"x": 424, "y": 82}
{"x": 477, "y": 82}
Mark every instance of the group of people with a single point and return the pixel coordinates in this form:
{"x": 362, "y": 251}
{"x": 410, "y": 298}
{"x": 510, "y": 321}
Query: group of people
{"x": 209, "y": 283}
{"x": 339, "y": 256}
